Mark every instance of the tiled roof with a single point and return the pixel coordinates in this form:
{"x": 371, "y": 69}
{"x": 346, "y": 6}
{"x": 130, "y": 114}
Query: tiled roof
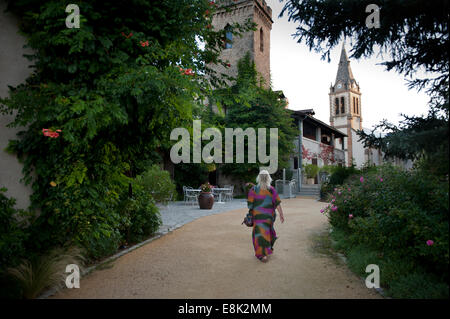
{"x": 306, "y": 114}
{"x": 344, "y": 73}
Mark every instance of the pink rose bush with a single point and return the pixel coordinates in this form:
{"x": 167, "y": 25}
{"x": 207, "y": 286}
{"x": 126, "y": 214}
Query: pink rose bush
{"x": 402, "y": 215}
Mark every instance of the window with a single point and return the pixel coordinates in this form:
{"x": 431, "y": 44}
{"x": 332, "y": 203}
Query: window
{"x": 354, "y": 105}
{"x": 261, "y": 40}
{"x": 357, "y": 106}
{"x": 336, "y": 105}
{"x": 325, "y": 139}
{"x": 228, "y": 37}
{"x": 342, "y": 105}
{"x": 309, "y": 130}
{"x": 295, "y": 162}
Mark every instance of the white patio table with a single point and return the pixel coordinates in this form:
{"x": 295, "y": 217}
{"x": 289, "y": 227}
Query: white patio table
{"x": 220, "y": 190}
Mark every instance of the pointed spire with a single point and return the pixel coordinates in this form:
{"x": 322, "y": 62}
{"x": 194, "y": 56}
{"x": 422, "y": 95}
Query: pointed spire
{"x": 344, "y": 73}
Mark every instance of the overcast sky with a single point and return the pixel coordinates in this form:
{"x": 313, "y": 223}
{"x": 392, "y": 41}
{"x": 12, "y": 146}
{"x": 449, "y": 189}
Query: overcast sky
{"x": 305, "y": 79}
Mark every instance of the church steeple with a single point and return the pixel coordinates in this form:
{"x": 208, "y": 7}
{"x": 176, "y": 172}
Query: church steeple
{"x": 345, "y": 103}
{"x": 344, "y": 73}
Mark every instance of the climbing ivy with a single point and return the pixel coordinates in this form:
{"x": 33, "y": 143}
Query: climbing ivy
{"x": 100, "y": 104}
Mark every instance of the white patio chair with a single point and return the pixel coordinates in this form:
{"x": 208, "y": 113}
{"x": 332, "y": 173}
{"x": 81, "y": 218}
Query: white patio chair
{"x": 187, "y": 194}
{"x": 224, "y": 193}
{"x": 215, "y": 194}
{"x": 229, "y": 193}
{"x": 184, "y": 193}
{"x": 191, "y": 196}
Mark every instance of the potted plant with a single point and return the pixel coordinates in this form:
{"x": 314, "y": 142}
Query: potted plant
{"x": 311, "y": 171}
{"x": 206, "y": 198}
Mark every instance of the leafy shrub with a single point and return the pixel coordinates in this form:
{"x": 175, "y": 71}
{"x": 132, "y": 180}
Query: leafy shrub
{"x": 401, "y": 278}
{"x": 328, "y": 169}
{"x": 340, "y": 174}
{"x": 341, "y": 240}
{"x": 13, "y": 237}
{"x": 359, "y": 257}
{"x": 419, "y": 285}
{"x": 393, "y": 269}
{"x": 12, "y": 232}
{"x": 398, "y": 214}
{"x": 157, "y": 183}
{"x": 101, "y": 241}
{"x": 311, "y": 170}
{"x": 368, "y": 168}
{"x": 141, "y": 216}
{"x": 325, "y": 190}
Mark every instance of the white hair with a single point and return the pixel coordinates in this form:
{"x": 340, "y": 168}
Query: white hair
{"x": 263, "y": 179}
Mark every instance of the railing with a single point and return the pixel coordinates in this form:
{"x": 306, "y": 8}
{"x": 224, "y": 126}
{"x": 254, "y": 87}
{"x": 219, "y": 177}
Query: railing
{"x": 286, "y": 189}
{"x": 314, "y": 147}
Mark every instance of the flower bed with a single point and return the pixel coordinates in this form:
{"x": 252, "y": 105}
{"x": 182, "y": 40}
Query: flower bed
{"x": 401, "y": 216}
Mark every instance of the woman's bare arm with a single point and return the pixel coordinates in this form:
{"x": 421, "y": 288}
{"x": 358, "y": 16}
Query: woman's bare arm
{"x": 280, "y": 210}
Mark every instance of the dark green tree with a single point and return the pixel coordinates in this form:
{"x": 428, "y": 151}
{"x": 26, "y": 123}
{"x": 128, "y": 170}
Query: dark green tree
{"x": 248, "y": 104}
{"x": 413, "y": 35}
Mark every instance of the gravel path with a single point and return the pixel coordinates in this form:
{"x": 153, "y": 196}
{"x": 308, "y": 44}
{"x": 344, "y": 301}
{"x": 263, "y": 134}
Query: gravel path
{"x": 177, "y": 214}
{"x": 212, "y": 257}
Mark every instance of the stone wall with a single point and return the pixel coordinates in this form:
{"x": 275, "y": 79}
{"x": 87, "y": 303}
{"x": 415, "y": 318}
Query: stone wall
{"x": 241, "y": 11}
{"x": 14, "y": 69}
{"x": 240, "y": 44}
{"x": 359, "y": 152}
{"x": 263, "y": 17}
{"x": 223, "y": 180}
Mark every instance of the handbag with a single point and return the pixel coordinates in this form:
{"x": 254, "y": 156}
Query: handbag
{"x": 248, "y": 219}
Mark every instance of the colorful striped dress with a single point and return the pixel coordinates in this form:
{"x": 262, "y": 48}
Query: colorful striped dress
{"x": 262, "y": 204}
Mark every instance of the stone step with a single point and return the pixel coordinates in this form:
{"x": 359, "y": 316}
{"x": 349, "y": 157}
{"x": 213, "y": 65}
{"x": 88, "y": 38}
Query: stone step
{"x": 315, "y": 186}
{"x": 309, "y": 193}
{"x": 310, "y": 189}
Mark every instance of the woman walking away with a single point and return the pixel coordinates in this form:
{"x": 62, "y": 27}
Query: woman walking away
{"x": 262, "y": 201}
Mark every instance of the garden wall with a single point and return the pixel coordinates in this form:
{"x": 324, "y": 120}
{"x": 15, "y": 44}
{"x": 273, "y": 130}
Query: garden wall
{"x": 13, "y": 71}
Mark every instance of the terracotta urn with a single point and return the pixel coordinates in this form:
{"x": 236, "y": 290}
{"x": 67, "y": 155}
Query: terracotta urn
{"x": 206, "y": 200}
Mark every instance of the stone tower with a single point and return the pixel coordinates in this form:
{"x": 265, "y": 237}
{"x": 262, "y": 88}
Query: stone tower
{"x": 256, "y": 42}
{"x": 345, "y": 103}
